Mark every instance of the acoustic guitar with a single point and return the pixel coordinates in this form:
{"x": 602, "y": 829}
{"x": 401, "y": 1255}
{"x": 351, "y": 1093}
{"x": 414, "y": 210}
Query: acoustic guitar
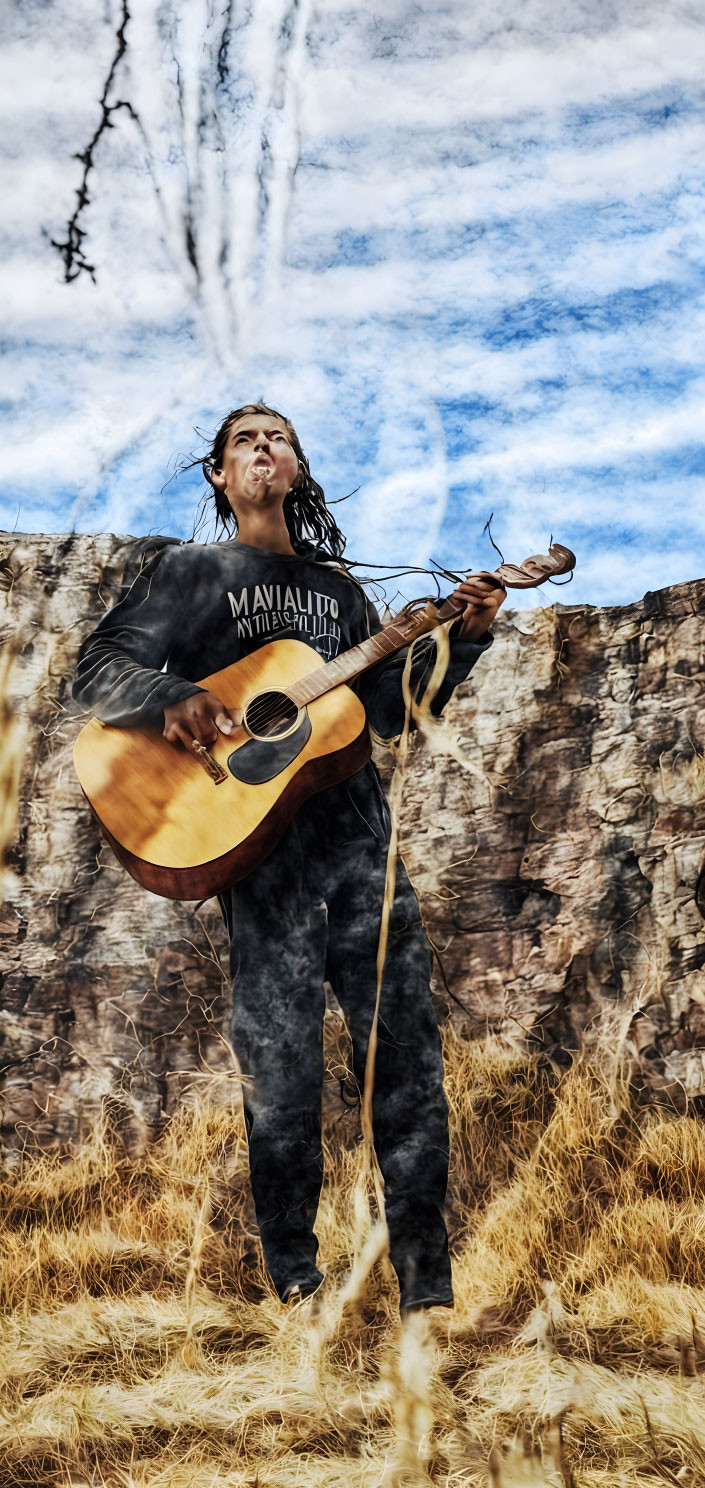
{"x": 187, "y": 825}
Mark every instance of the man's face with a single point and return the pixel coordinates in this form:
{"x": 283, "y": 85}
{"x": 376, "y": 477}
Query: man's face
{"x": 259, "y": 466}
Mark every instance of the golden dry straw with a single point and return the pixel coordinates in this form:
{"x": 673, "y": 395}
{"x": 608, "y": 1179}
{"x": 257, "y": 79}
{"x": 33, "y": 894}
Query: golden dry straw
{"x": 143, "y": 1345}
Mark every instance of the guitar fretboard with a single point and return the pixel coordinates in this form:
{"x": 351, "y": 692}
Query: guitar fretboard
{"x": 348, "y": 666}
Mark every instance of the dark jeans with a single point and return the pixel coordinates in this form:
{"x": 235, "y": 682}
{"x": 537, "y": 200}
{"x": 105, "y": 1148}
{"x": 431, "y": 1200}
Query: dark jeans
{"x": 312, "y": 912}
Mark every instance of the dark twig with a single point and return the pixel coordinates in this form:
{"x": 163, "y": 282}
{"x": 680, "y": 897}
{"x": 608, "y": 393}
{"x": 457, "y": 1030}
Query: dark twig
{"x": 444, "y": 978}
{"x": 488, "y": 529}
{"x": 71, "y": 249}
{"x": 224, "y": 45}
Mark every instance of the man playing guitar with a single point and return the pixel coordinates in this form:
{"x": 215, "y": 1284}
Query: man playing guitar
{"x": 311, "y": 911}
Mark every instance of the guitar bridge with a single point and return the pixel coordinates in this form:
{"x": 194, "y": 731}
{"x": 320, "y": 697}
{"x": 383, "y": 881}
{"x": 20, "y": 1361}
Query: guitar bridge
{"x": 210, "y": 765}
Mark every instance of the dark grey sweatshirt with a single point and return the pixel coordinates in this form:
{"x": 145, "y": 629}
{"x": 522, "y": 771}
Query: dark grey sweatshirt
{"x": 195, "y": 608}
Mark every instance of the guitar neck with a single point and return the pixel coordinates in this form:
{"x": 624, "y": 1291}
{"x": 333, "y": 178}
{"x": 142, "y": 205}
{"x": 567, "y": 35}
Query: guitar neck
{"x": 368, "y": 653}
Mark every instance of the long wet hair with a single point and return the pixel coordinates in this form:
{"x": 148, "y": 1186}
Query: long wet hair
{"x": 308, "y": 520}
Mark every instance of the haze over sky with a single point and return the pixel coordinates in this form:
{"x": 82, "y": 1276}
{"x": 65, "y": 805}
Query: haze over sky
{"x": 461, "y": 245}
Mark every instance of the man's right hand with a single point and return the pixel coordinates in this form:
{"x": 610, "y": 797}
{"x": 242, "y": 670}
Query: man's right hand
{"x": 201, "y": 717}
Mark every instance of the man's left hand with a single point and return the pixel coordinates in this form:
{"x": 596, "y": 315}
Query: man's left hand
{"x": 482, "y": 601}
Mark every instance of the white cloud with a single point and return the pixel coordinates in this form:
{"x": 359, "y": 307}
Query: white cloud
{"x": 460, "y": 246}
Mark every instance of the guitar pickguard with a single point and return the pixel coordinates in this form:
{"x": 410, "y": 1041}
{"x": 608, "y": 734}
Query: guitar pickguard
{"x": 260, "y": 760}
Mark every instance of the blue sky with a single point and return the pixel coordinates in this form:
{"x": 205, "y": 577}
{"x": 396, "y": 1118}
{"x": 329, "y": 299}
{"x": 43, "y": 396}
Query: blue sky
{"x": 461, "y": 246}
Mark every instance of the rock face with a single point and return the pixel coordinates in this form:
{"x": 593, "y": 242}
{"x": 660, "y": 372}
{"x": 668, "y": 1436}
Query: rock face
{"x": 553, "y": 824}
{"x": 559, "y": 866}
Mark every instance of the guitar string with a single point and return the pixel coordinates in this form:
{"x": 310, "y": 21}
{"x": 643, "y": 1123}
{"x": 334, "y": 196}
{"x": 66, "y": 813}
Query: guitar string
{"x": 264, "y": 725}
{"x": 271, "y": 708}
{"x": 265, "y": 720}
{"x": 263, "y": 709}
{"x": 266, "y": 710}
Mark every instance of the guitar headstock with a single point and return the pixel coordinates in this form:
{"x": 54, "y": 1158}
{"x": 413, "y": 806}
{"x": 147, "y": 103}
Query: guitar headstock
{"x": 534, "y": 570}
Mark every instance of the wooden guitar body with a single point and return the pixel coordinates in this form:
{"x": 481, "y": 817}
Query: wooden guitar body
{"x": 176, "y": 829}
{"x": 187, "y": 825}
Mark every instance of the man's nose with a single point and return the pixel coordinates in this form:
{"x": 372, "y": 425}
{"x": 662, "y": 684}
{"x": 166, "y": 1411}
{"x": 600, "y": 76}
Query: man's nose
{"x": 261, "y": 442}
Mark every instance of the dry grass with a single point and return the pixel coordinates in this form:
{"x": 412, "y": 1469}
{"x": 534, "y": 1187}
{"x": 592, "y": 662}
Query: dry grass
{"x": 143, "y": 1345}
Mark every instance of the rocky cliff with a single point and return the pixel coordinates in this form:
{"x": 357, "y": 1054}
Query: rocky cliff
{"x": 553, "y": 824}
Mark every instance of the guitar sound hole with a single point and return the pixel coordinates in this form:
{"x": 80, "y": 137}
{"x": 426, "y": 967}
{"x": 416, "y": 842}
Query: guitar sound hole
{"x": 270, "y": 714}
